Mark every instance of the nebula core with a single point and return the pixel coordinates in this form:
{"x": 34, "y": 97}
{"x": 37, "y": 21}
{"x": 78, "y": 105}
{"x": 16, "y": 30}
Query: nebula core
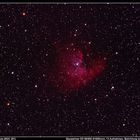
{"x": 75, "y": 65}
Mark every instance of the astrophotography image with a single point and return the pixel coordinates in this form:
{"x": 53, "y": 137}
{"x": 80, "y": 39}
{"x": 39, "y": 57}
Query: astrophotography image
{"x": 69, "y": 69}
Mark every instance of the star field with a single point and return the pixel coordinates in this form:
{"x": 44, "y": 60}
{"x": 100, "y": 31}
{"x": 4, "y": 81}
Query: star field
{"x": 34, "y": 67}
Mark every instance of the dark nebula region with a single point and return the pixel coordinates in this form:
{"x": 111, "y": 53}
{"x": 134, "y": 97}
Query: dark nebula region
{"x": 75, "y": 66}
{"x": 69, "y": 69}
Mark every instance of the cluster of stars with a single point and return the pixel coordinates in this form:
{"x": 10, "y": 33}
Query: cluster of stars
{"x": 108, "y": 105}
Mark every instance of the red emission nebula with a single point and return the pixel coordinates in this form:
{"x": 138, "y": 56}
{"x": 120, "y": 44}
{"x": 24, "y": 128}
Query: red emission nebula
{"x": 75, "y": 66}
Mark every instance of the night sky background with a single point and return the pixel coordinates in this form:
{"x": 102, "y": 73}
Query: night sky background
{"x": 30, "y": 103}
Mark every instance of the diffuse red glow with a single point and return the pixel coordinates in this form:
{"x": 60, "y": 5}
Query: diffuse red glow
{"x": 75, "y": 66}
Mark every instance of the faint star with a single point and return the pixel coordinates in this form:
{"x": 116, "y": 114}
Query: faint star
{"x": 123, "y": 124}
{"x": 75, "y": 35}
{"x": 112, "y": 88}
{"x": 89, "y": 42}
{"x": 77, "y": 64}
{"x": 8, "y": 124}
{"x": 95, "y": 99}
{"x": 35, "y": 86}
{"x": 8, "y": 104}
{"x": 12, "y": 72}
{"x": 24, "y": 14}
